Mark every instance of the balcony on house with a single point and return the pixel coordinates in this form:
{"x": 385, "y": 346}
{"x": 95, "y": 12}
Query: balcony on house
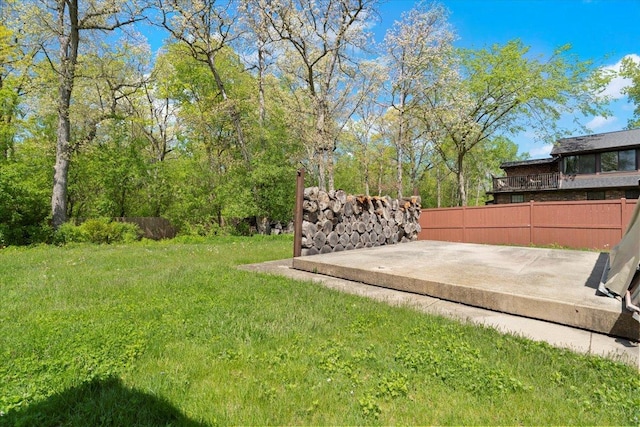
{"x": 532, "y": 182}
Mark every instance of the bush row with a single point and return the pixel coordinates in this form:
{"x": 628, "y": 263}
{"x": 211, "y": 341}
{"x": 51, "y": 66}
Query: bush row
{"x": 101, "y": 230}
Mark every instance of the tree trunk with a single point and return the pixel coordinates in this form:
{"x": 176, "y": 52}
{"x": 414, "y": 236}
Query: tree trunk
{"x": 400, "y": 143}
{"x": 438, "y": 187}
{"x": 61, "y": 168}
{"x": 322, "y": 145}
{"x": 461, "y": 181}
{"x": 380, "y": 170}
{"x": 262, "y": 108}
{"x": 237, "y": 123}
{"x": 322, "y": 175}
{"x": 366, "y": 178}
{"x": 68, "y": 57}
{"x": 330, "y": 183}
{"x": 399, "y": 171}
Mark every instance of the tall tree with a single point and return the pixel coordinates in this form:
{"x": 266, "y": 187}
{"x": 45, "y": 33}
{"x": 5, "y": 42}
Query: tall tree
{"x": 206, "y": 136}
{"x": 62, "y": 26}
{"x": 259, "y": 38}
{"x": 319, "y": 38}
{"x": 207, "y": 28}
{"x": 417, "y": 48}
{"x": 102, "y": 115}
{"x": 363, "y": 136}
{"x": 503, "y": 90}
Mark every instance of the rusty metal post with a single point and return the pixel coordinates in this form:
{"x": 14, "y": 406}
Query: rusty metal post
{"x": 297, "y": 217}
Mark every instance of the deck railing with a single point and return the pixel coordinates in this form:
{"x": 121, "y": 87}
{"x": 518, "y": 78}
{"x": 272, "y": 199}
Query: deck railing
{"x": 539, "y": 181}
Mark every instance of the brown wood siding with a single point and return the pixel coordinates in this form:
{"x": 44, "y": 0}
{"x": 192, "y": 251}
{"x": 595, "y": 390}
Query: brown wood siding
{"x": 597, "y": 224}
{"x": 531, "y": 169}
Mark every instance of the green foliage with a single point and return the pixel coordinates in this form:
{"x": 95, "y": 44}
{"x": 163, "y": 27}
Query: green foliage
{"x": 203, "y": 229}
{"x": 107, "y": 179}
{"x": 456, "y": 365}
{"x": 212, "y": 184}
{"x": 99, "y": 231}
{"x": 69, "y": 233}
{"x": 23, "y": 206}
{"x": 369, "y": 406}
{"x": 506, "y": 91}
{"x": 121, "y": 332}
{"x": 161, "y": 139}
{"x": 631, "y": 70}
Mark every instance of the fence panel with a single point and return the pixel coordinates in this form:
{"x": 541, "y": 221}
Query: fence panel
{"x": 593, "y": 224}
{"x": 497, "y": 224}
{"x": 442, "y": 224}
{"x": 627, "y": 210}
{"x": 582, "y": 224}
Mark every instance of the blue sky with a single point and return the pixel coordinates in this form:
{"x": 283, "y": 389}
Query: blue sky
{"x": 603, "y": 31}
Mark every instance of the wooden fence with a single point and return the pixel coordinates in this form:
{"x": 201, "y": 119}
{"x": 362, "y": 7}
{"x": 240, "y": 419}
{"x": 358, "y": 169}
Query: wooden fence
{"x": 597, "y": 224}
{"x": 155, "y": 228}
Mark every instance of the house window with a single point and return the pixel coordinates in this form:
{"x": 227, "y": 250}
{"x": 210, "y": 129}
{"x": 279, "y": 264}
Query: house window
{"x": 618, "y": 161}
{"x": 517, "y": 198}
{"x": 595, "y": 195}
{"x": 627, "y": 160}
{"x": 609, "y": 161}
{"x": 631, "y": 194}
{"x": 571, "y": 165}
{"x": 584, "y": 163}
{"x": 587, "y": 163}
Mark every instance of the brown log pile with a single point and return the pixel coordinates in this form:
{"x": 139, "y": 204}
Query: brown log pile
{"x": 334, "y": 221}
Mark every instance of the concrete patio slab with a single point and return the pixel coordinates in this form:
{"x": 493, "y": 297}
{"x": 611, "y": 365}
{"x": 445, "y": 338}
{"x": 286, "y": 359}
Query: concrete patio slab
{"x": 553, "y": 285}
{"x": 578, "y": 340}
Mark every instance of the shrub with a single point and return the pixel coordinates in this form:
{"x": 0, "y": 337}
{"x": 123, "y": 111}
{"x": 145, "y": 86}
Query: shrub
{"x": 96, "y": 230}
{"x": 124, "y": 232}
{"x": 204, "y": 229}
{"x": 68, "y": 233}
{"x": 99, "y": 231}
{"x": 23, "y": 206}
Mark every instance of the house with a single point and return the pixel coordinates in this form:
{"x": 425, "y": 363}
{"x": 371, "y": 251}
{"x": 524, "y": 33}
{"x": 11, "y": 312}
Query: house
{"x": 603, "y": 166}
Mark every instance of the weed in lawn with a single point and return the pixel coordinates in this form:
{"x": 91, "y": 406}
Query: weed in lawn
{"x": 369, "y": 406}
{"x": 393, "y": 385}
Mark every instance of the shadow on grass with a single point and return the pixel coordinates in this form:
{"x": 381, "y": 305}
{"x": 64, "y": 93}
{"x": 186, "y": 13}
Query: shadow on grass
{"x": 99, "y": 403}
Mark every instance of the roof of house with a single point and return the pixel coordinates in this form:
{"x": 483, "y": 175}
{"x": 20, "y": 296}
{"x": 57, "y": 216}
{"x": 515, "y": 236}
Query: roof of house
{"x": 507, "y": 165}
{"x": 597, "y": 142}
{"x": 599, "y": 181}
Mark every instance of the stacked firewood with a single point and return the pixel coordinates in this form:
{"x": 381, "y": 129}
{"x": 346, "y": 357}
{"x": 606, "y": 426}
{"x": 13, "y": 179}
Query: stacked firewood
{"x": 334, "y": 221}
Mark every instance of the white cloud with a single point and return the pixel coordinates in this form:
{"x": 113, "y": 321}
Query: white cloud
{"x": 541, "y": 151}
{"x": 627, "y": 107}
{"x": 600, "y": 122}
{"x": 616, "y": 84}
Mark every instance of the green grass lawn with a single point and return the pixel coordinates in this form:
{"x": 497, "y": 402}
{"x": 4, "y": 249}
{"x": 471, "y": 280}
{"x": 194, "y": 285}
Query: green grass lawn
{"x": 172, "y": 333}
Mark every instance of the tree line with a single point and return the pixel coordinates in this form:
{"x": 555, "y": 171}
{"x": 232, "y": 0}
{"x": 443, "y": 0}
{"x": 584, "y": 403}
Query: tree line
{"x": 210, "y": 129}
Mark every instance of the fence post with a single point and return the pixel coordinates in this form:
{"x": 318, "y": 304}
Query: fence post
{"x": 531, "y": 225}
{"x": 464, "y": 224}
{"x": 297, "y": 216}
{"x": 623, "y": 209}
